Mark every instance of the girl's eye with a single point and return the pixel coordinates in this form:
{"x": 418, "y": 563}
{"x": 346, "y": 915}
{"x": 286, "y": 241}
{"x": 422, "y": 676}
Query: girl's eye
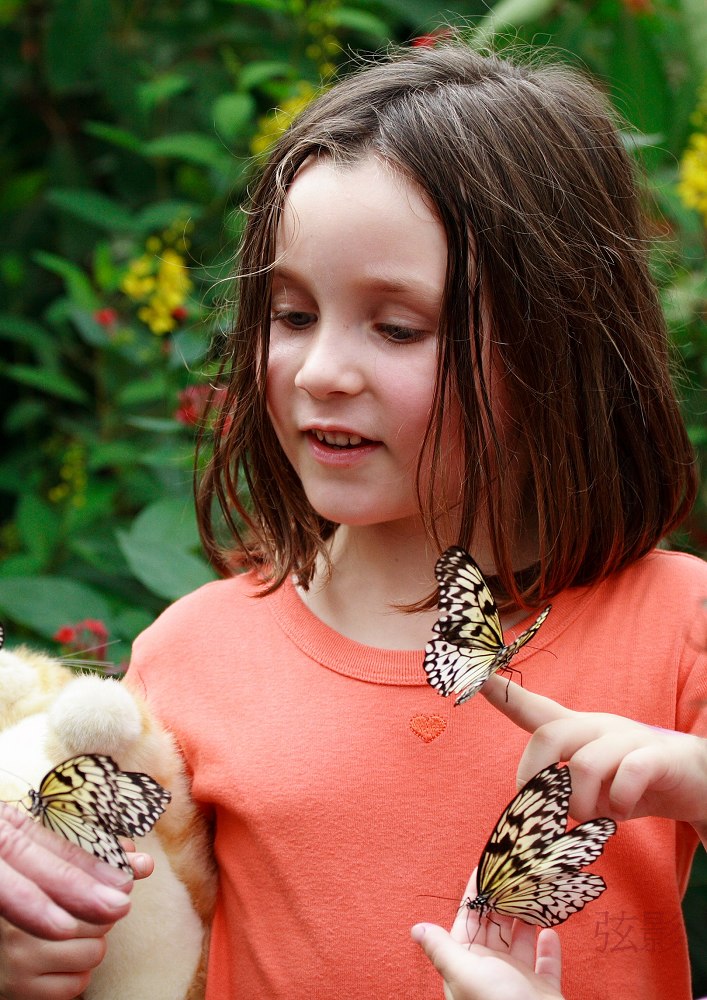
{"x": 401, "y": 334}
{"x": 293, "y": 318}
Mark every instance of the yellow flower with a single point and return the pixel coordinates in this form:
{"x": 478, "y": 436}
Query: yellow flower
{"x": 693, "y": 174}
{"x": 159, "y": 280}
{"x": 272, "y": 125}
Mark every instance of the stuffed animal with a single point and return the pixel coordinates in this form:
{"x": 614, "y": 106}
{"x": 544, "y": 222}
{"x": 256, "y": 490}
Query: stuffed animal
{"x": 48, "y": 714}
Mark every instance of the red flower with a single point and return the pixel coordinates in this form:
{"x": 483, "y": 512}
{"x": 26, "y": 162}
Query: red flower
{"x": 106, "y": 317}
{"x": 193, "y": 403}
{"x": 179, "y": 313}
{"x": 88, "y": 636}
{"x": 65, "y": 635}
{"x": 429, "y": 41}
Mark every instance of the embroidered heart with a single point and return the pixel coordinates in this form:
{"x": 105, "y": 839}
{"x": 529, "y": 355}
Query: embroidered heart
{"x": 428, "y": 727}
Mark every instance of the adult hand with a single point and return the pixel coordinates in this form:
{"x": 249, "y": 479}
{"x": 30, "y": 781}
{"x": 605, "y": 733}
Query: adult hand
{"x": 620, "y": 768}
{"x": 499, "y": 959}
{"x": 48, "y": 885}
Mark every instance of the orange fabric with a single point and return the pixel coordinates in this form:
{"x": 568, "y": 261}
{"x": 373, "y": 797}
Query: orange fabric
{"x": 347, "y": 796}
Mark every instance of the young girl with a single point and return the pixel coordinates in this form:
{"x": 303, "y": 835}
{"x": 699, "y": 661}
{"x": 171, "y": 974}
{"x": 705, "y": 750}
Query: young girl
{"x": 446, "y": 334}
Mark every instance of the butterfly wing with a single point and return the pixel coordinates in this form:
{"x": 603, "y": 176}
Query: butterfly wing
{"x": 530, "y": 868}
{"x": 528, "y": 825}
{"x": 71, "y": 800}
{"x": 468, "y": 627}
{"x": 546, "y": 901}
{"x": 140, "y": 802}
{"x": 470, "y": 646}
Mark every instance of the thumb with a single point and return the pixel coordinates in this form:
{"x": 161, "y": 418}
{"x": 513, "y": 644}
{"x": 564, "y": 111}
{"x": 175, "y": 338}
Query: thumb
{"x": 446, "y": 954}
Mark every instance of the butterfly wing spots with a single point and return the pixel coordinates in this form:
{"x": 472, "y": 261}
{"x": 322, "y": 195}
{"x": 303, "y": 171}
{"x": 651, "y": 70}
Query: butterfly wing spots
{"x": 470, "y": 645}
{"x": 451, "y": 669}
{"x": 90, "y": 801}
{"x": 140, "y": 802}
{"x": 547, "y": 900}
{"x": 528, "y": 825}
{"x": 530, "y": 867}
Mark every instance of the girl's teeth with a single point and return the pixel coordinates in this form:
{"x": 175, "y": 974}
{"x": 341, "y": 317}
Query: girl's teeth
{"x": 338, "y": 440}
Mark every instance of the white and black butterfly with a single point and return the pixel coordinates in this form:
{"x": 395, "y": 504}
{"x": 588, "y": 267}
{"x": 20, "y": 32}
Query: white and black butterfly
{"x": 470, "y": 646}
{"x": 90, "y": 801}
{"x": 531, "y": 868}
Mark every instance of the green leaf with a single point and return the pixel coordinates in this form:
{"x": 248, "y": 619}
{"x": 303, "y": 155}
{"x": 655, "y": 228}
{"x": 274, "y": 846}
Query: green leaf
{"x": 163, "y": 214}
{"x": 27, "y": 332}
{"x": 148, "y": 390}
{"x": 262, "y": 71}
{"x": 74, "y": 32}
{"x": 508, "y": 14}
{"x": 77, "y": 283}
{"x": 38, "y": 526}
{"x": 155, "y": 92}
{"x": 157, "y": 549}
{"x": 53, "y": 383}
{"x": 115, "y": 136}
{"x": 360, "y": 21}
{"x": 189, "y": 146}
{"x": 45, "y": 603}
{"x": 232, "y": 113}
{"x": 92, "y": 207}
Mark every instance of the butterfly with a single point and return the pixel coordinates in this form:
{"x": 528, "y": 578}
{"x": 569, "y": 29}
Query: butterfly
{"x": 470, "y": 646}
{"x": 90, "y": 801}
{"x": 531, "y": 867}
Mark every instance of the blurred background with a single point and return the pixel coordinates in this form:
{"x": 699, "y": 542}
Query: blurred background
{"x": 129, "y": 132}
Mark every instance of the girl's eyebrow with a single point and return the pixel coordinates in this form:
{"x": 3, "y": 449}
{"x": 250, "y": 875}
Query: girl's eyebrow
{"x": 395, "y": 282}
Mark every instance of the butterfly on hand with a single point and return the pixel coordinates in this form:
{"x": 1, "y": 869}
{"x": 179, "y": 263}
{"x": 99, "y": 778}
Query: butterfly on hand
{"x": 470, "y": 646}
{"x": 90, "y": 801}
{"x": 531, "y": 868}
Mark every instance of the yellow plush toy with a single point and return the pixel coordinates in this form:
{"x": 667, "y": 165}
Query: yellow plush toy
{"x": 49, "y": 714}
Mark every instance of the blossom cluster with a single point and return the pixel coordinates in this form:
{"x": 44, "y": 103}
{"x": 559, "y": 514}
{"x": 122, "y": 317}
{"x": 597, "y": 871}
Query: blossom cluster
{"x": 158, "y": 280}
{"x": 692, "y": 187}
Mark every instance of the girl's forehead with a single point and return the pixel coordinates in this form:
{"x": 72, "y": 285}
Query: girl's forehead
{"x": 369, "y": 190}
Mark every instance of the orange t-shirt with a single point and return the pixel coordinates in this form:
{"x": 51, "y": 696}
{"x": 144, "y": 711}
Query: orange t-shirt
{"x": 347, "y": 796}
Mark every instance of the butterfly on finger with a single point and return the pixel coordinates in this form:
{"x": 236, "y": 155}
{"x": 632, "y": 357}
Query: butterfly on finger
{"x": 531, "y": 867}
{"x": 468, "y": 647}
{"x": 91, "y": 802}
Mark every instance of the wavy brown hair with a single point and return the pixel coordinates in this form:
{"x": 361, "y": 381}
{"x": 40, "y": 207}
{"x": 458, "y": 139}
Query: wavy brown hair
{"x": 528, "y": 175}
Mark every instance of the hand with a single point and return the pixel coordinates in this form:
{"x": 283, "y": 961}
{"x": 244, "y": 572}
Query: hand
{"x": 620, "y": 768}
{"x": 59, "y": 903}
{"x": 488, "y": 969}
{"x": 47, "y": 884}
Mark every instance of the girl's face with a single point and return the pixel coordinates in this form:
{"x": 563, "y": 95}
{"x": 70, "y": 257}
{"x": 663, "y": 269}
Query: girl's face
{"x": 357, "y": 290}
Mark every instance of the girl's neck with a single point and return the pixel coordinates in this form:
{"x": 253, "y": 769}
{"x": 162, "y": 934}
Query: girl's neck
{"x": 374, "y": 570}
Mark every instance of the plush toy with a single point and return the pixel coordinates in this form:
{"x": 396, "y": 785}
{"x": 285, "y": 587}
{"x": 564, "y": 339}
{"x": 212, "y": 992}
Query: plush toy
{"x": 49, "y": 714}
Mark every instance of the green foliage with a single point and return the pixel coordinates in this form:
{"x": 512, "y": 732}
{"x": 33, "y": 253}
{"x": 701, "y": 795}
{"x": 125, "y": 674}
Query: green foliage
{"x": 128, "y": 138}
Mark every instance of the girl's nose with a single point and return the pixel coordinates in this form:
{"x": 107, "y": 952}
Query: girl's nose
{"x": 332, "y": 363}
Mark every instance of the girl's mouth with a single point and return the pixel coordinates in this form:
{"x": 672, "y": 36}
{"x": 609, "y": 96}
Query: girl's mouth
{"x": 339, "y": 439}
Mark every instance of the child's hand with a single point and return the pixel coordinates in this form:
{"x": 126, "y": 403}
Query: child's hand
{"x": 524, "y": 969}
{"x": 35, "y": 969}
{"x": 620, "y": 768}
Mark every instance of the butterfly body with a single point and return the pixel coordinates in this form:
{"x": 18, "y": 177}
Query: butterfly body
{"x": 531, "y": 868}
{"x": 469, "y": 646}
{"x": 90, "y": 801}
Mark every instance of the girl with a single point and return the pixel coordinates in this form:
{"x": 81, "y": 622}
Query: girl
{"x": 446, "y": 333}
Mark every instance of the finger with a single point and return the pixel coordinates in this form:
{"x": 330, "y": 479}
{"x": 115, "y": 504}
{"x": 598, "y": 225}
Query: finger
{"x": 527, "y": 709}
{"x": 560, "y": 740}
{"x": 142, "y": 864}
{"x": 33, "y": 833}
{"x": 523, "y": 942}
{"x": 448, "y": 956}
{"x": 548, "y": 962}
{"x": 466, "y": 923}
{"x": 642, "y": 768}
{"x": 44, "y": 894}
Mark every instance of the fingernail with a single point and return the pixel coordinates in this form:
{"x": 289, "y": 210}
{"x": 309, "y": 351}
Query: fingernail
{"x": 113, "y": 898}
{"x": 61, "y": 920}
{"x": 418, "y": 932}
{"x": 140, "y": 863}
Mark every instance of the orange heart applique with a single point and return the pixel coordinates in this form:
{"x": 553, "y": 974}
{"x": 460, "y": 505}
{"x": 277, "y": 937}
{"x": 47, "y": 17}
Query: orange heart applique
{"x": 428, "y": 727}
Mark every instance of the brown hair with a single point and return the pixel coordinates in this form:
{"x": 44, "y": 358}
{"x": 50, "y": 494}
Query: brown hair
{"x": 528, "y": 175}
